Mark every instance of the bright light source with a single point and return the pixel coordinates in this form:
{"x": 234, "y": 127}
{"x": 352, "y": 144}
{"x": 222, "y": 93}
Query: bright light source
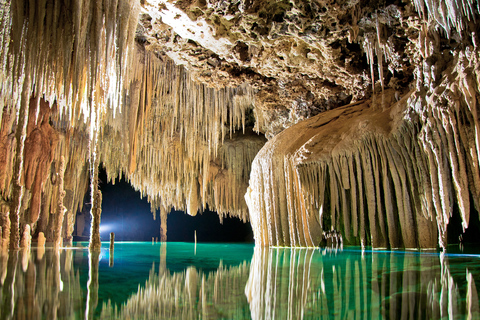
{"x": 107, "y": 228}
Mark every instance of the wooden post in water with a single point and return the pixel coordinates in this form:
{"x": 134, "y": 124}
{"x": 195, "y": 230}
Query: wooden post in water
{"x": 112, "y": 243}
{"x": 112, "y": 240}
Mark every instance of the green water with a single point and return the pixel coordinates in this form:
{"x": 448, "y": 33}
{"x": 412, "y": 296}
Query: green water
{"x": 237, "y": 281}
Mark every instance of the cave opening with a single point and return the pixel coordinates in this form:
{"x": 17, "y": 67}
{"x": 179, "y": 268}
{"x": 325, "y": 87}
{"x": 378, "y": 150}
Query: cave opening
{"x": 455, "y": 232}
{"x": 129, "y": 216}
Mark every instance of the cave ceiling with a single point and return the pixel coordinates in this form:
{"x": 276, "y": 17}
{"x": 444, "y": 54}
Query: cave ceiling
{"x": 302, "y": 57}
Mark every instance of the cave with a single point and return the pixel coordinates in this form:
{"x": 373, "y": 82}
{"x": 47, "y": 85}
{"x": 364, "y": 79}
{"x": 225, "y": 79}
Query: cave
{"x": 278, "y": 149}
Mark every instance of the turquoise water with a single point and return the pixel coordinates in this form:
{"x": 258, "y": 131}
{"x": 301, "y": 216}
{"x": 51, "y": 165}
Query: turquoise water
{"x": 237, "y": 281}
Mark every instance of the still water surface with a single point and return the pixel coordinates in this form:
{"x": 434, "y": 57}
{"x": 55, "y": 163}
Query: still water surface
{"x": 141, "y": 280}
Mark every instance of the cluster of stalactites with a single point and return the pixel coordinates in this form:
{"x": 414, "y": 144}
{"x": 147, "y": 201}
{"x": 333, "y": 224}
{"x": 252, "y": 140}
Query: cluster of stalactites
{"x": 74, "y": 53}
{"x": 180, "y": 143}
{"x": 449, "y": 14}
{"x": 379, "y": 45}
{"x": 394, "y": 189}
{"x": 46, "y": 143}
{"x": 70, "y": 56}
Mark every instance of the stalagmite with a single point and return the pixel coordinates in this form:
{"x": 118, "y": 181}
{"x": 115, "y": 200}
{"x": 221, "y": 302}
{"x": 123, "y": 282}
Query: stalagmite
{"x": 26, "y": 240}
{"x": 40, "y": 146}
{"x": 112, "y": 240}
{"x": 40, "y": 245}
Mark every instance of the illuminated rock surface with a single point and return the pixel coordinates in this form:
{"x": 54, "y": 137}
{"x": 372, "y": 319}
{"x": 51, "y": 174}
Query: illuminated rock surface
{"x": 370, "y": 110}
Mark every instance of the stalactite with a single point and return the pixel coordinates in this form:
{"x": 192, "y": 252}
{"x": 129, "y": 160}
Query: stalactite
{"x": 61, "y": 210}
{"x": 17, "y": 192}
{"x": 378, "y": 45}
{"x": 179, "y": 143}
{"x": 4, "y": 212}
{"x": 191, "y": 126}
{"x": 448, "y": 15}
{"x": 163, "y": 224}
{"x": 69, "y": 53}
{"x": 96, "y": 211}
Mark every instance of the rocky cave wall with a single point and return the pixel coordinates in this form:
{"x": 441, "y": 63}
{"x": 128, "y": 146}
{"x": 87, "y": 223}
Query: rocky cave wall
{"x": 370, "y": 109}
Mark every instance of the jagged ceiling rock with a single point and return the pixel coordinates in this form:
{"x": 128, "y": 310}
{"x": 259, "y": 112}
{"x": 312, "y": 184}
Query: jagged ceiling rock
{"x": 302, "y": 57}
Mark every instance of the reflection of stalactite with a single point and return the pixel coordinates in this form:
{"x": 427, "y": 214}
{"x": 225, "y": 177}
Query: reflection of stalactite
{"x": 473, "y": 309}
{"x": 370, "y": 285}
{"x": 162, "y": 268}
{"x": 92, "y": 295}
{"x": 285, "y": 301}
{"x": 8, "y": 287}
{"x": 187, "y": 295}
{"x": 39, "y": 288}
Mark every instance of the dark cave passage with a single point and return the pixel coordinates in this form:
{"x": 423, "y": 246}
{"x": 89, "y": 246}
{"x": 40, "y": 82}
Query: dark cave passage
{"x": 455, "y": 232}
{"x": 130, "y": 218}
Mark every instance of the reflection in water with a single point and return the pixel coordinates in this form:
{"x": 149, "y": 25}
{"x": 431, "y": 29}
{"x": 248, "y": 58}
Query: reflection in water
{"x": 92, "y": 296}
{"x": 39, "y": 286}
{"x": 190, "y": 294}
{"x": 276, "y": 284}
{"x": 308, "y": 284}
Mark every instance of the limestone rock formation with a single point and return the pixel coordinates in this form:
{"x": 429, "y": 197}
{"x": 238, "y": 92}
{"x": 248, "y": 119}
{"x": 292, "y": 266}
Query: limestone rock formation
{"x": 370, "y": 109}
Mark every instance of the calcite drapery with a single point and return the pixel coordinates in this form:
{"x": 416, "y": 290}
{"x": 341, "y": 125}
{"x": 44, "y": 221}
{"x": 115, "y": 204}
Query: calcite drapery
{"x": 364, "y": 169}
